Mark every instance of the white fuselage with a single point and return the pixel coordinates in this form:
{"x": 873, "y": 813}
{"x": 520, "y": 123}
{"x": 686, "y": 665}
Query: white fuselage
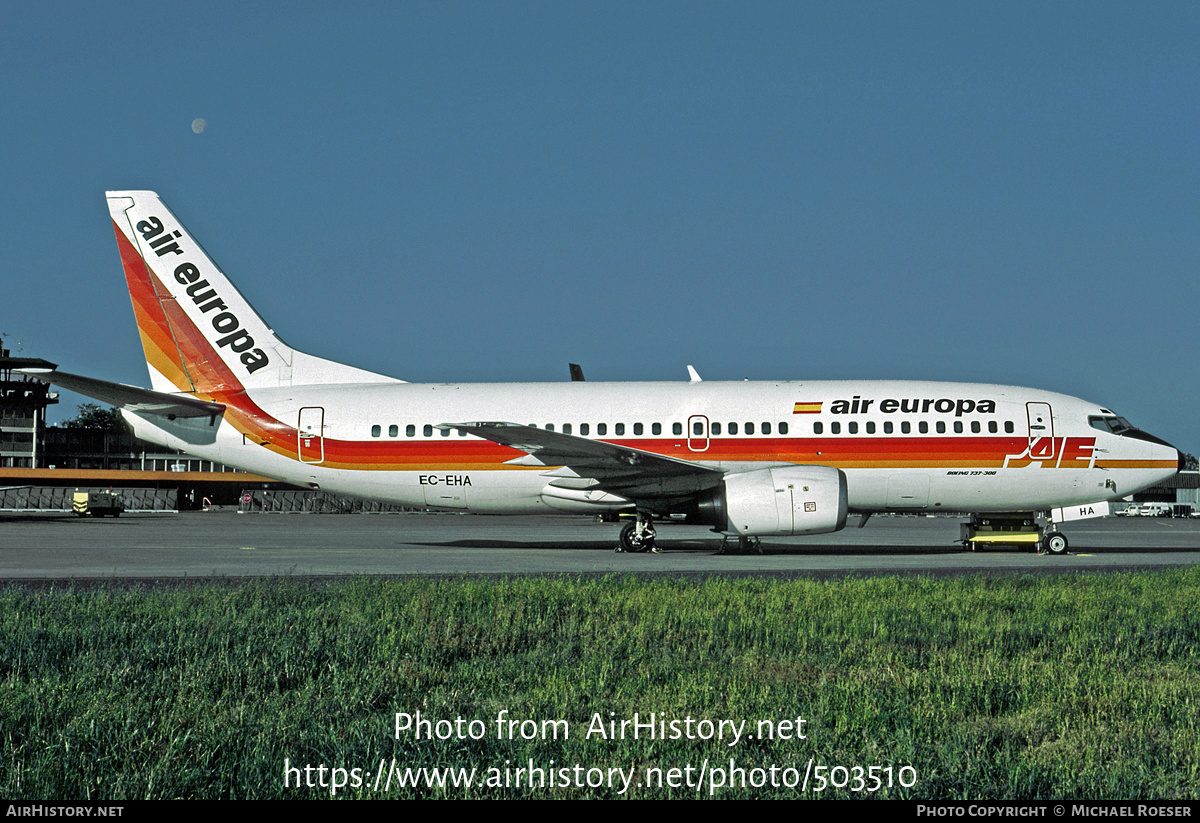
{"x": 904, "y": 446}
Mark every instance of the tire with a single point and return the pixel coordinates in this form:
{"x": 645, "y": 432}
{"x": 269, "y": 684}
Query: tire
{"x": 631, "y": 542}
{"x": 1055, "y": 543}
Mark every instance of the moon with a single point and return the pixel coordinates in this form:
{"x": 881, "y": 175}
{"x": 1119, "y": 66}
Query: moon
{"x": 198, "y": 125}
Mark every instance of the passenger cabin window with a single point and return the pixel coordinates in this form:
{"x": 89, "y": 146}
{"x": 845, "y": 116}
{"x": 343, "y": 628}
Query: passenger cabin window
{"x": 766, "y": 428}
{"x": 656, "y": 429}
{"x": 733, "y": 428}
{"x": 637, "y": 429}
{"x": 716, "y": 429}
{"x": 601, "y": 429}
{"x": 376, "y": 431}
{"x": 835, "y": 428}
{"x": 584, "y": 428}
{"x": 393, "y": 431}
{"x": 619, "y": 430}
{"x": 676, "y": 429}
{"x": 783, "y": 428}
{"x": 1008, "y": 427}
{"x": 887, "y": 427}
{"x": 410, "y": 430}
{"x": 428, "y": 430}
{"x": 818, "y": 428}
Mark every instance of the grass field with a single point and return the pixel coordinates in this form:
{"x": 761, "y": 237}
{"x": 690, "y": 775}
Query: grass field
{"x": 1066, "y": 687}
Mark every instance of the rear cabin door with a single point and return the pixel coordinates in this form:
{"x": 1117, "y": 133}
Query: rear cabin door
{"x": 310, "y": 430}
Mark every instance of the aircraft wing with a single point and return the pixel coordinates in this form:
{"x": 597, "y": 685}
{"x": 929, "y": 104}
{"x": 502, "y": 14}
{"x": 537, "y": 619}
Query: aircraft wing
{"x": 133, "y": 398}
{"x": 594, "y": 464}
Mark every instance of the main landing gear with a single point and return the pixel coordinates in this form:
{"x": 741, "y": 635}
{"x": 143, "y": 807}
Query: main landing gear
{"x": 1013, "y": 530}
{"x": 639, "y": 535}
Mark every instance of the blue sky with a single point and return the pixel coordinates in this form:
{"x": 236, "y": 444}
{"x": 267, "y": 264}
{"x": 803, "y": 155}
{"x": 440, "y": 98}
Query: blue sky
{"x": 465, "y": 191}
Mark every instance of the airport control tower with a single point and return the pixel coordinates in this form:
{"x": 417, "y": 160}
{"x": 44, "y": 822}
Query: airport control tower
{"x": 23, "y": 403}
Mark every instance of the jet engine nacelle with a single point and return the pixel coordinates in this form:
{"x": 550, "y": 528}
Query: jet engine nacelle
{"x": 788, "y": 500}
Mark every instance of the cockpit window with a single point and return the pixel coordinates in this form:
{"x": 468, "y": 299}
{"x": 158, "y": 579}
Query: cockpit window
{"x": 1116, "y": 425}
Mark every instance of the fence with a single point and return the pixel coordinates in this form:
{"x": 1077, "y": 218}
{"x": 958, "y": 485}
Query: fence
{"x": 313, "y": 502}
{"x": 59, "y": 498}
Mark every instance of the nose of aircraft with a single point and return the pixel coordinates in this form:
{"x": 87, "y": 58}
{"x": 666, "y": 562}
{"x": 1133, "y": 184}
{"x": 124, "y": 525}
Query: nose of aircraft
{"x": 1160, "y": 455}
{"x": 1179, "y": 456}
{"x": 1138, "y": 434}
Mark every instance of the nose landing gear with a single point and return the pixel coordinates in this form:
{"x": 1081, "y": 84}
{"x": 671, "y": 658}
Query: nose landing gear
{"x": 1054, "y": 542}
{"x": 1013, "y": 530}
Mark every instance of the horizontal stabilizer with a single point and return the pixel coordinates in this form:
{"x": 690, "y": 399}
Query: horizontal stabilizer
{"x": 132, "y": 398}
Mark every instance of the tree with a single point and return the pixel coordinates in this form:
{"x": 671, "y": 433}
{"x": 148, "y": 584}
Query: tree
{"x": 92, "y": 416}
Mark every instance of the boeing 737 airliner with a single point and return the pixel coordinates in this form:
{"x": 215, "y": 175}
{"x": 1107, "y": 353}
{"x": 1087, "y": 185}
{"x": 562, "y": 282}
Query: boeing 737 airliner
{"x": 747, "y": 458}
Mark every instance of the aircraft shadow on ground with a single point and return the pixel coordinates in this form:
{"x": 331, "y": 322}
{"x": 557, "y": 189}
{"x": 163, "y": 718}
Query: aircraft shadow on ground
{"x": 698, "y": 547}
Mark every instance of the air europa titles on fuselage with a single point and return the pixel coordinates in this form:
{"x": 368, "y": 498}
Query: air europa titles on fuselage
{"x": 204, "y": 296}
{"x": 943, "y": 405}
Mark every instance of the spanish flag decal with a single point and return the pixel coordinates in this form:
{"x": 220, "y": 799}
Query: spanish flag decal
{"x": 807, "y": 408}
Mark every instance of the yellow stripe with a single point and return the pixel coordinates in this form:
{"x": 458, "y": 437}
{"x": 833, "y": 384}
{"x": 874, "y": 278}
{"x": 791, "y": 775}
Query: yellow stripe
{"x": 1135, "y": 464}
{"x": 1005, "y": 537}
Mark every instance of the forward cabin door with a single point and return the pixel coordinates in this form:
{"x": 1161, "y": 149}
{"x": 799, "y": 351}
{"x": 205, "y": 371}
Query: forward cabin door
{"x": 1041, "y": 431}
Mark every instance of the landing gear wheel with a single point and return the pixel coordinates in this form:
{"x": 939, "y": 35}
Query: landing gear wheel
{"x": 631, "y": 541}
{"x": 1055, "y": 543}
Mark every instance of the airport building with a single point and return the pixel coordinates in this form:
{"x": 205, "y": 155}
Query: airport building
{"x": 115, "y": 450}
{"x": 23, "y": 404}
{"x": 1182, "y": 492}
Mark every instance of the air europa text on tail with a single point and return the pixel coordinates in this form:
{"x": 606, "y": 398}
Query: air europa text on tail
{"x": 205, "y": 297}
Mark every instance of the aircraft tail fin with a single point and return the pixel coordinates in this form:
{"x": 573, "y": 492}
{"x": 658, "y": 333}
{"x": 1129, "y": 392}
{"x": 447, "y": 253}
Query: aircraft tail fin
{"x": 198, "y": 332}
